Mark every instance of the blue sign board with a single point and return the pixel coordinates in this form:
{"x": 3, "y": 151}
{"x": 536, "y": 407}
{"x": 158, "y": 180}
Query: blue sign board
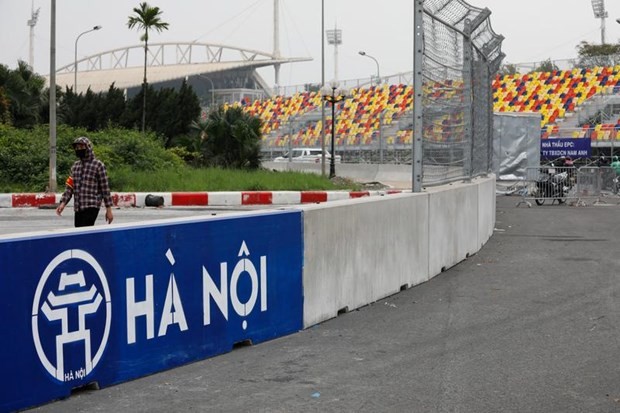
{"x": 110, "y": 305}
{"x": 573, "y": 147}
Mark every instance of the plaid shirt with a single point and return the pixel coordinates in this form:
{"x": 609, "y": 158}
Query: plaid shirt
{"x": 90, "y": 183}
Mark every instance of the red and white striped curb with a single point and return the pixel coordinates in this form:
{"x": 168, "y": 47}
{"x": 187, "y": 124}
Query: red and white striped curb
{"x": 201, "y": 198}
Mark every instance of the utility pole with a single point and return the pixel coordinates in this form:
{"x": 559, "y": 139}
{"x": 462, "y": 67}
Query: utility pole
{"x": 322, "y": 87}
{"x": 276, "y": 42}
{"x": 52, "y": 167}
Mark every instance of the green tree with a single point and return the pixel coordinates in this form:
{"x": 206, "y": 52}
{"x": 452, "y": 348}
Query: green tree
{"x": 68, "y": 107}
{"x": 591, "y": 55}
{"x": 546, "y": 66}
{"x": 89, "y": 111}
{"x": 232, "y": 139}
{"x": 508, "y": 69}
{"x": 312, "y": 87}
{"x": 113, "y": 106}
{"x": 5, "y": 114}
{"x": 189, "y": 148}
{"x": 44, "y": 108}
{"x": 188, "y": 107}
{"x": 170, "y": 114}
{"x": 146, "y": 18}
{"x": 93, "y": 111}
{"x": 23, "y": 88}
{"x": 161, "y": 118}
{"x": 132, "y": 116}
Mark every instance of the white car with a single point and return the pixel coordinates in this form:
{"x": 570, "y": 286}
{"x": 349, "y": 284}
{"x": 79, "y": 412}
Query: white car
{"x": 306, "y": 155}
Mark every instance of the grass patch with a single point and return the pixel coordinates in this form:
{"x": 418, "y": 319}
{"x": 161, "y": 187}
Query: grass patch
{"x": 215, "y": 179}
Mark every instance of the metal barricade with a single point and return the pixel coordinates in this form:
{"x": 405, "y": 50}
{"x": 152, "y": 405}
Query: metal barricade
{"x": 608, "y": 180}
{"x": 576, "y": 186}
{"x": 589, "y": 183}
{"x": 549, "y": 185}
{"x": 608, "y": 185}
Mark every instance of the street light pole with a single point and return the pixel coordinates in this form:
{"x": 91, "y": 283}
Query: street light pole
{"x": 333, "y": 98}
{"x": 212, "y": 88}
{"x": 363, "y": 53}
{"x": 332, "y": 158}
{"x": 75, "y": 63}
{"x": 52, "y": 139}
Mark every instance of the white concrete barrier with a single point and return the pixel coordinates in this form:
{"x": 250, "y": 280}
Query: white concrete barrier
{"x": 359, "y": 251}
{"x": 486, "y": 210}
{"x": 360, "y": 172}
{"x": 6, "y": 201}
{"x": 394, "y": 173}
{"x": 453, "y": 225}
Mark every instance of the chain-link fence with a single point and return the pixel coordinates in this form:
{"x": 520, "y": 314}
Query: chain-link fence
{"x": 461, "y": 54}
{"x": 446, "y": 133}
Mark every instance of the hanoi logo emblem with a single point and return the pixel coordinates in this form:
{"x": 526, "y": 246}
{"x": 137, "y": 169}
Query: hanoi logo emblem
{"x": 71, "y": 315}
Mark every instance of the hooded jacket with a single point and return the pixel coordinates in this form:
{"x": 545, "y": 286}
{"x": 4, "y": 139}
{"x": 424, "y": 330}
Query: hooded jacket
{"x": 88, "y": 183}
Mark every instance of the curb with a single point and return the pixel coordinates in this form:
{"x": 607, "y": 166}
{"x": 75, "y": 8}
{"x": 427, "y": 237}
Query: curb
{"x": 123, "y": 199}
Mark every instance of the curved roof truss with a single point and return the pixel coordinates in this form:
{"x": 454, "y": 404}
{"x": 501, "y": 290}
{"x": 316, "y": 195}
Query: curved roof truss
{"x": 171, "y": 53}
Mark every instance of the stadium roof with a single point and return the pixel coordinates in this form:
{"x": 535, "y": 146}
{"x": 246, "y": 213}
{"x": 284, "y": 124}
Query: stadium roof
{"x": 125, "y": 66}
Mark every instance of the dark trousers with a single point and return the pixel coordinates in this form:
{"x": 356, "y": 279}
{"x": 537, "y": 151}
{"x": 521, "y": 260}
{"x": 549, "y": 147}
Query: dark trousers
{"x": 86, "y": 217}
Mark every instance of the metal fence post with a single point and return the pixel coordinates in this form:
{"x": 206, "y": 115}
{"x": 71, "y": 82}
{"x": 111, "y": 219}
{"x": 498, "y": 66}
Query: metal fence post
{"x": 468, "y": 98}
{"x": 418, "y": 59}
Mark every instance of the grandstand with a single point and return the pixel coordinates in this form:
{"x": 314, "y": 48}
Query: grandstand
{"x": 562, "y": 97}
{"x": 572, "y": 103}
{"x": 297, "y": 119}
{"x": 357, "y": 122}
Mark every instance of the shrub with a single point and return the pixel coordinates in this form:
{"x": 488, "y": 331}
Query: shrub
{"x": 24, "y": 154}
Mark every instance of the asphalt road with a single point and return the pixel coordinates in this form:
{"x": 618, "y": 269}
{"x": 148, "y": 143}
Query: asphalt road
{"x": 529, "y": 324}
{"x": 22, "y": 220}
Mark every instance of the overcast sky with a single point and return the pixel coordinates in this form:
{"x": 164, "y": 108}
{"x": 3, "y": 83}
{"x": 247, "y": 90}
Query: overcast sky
{"x": 534, "y": 30}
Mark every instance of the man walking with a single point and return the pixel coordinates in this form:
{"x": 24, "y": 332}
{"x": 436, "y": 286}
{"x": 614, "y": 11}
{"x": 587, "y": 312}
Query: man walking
{"x": 88, "y": 184}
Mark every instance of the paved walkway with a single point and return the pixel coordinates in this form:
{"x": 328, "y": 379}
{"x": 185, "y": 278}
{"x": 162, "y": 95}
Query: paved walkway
{"x": 529, "y": 324}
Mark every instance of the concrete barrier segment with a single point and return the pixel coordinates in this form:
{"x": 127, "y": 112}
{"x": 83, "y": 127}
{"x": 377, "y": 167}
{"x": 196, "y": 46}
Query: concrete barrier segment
{"x": 26, "y": 200}
{"x": 287, "y": 197}
{"x": 6, "y": 200}
{"x": 256, "y": 198}
{"x": 224, "y": 198}
{"x": 313, "y": 197}
{"x": 124, "y": 200}
{"x": 380, "y": 245}
{"x": 190, "y": 198}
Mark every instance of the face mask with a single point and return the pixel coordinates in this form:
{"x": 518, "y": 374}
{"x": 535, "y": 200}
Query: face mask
{"x": 80, "y": 153}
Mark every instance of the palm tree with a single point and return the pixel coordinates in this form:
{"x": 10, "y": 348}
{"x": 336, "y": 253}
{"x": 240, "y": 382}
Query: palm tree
{"x": 21, "y": 93}
{"x": 232, "y": 138}
{"x": 5, "y": 114}
{"x": 146, "y": 18}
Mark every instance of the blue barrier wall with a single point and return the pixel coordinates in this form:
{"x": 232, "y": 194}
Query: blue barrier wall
{"x": 109, "y": 305}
